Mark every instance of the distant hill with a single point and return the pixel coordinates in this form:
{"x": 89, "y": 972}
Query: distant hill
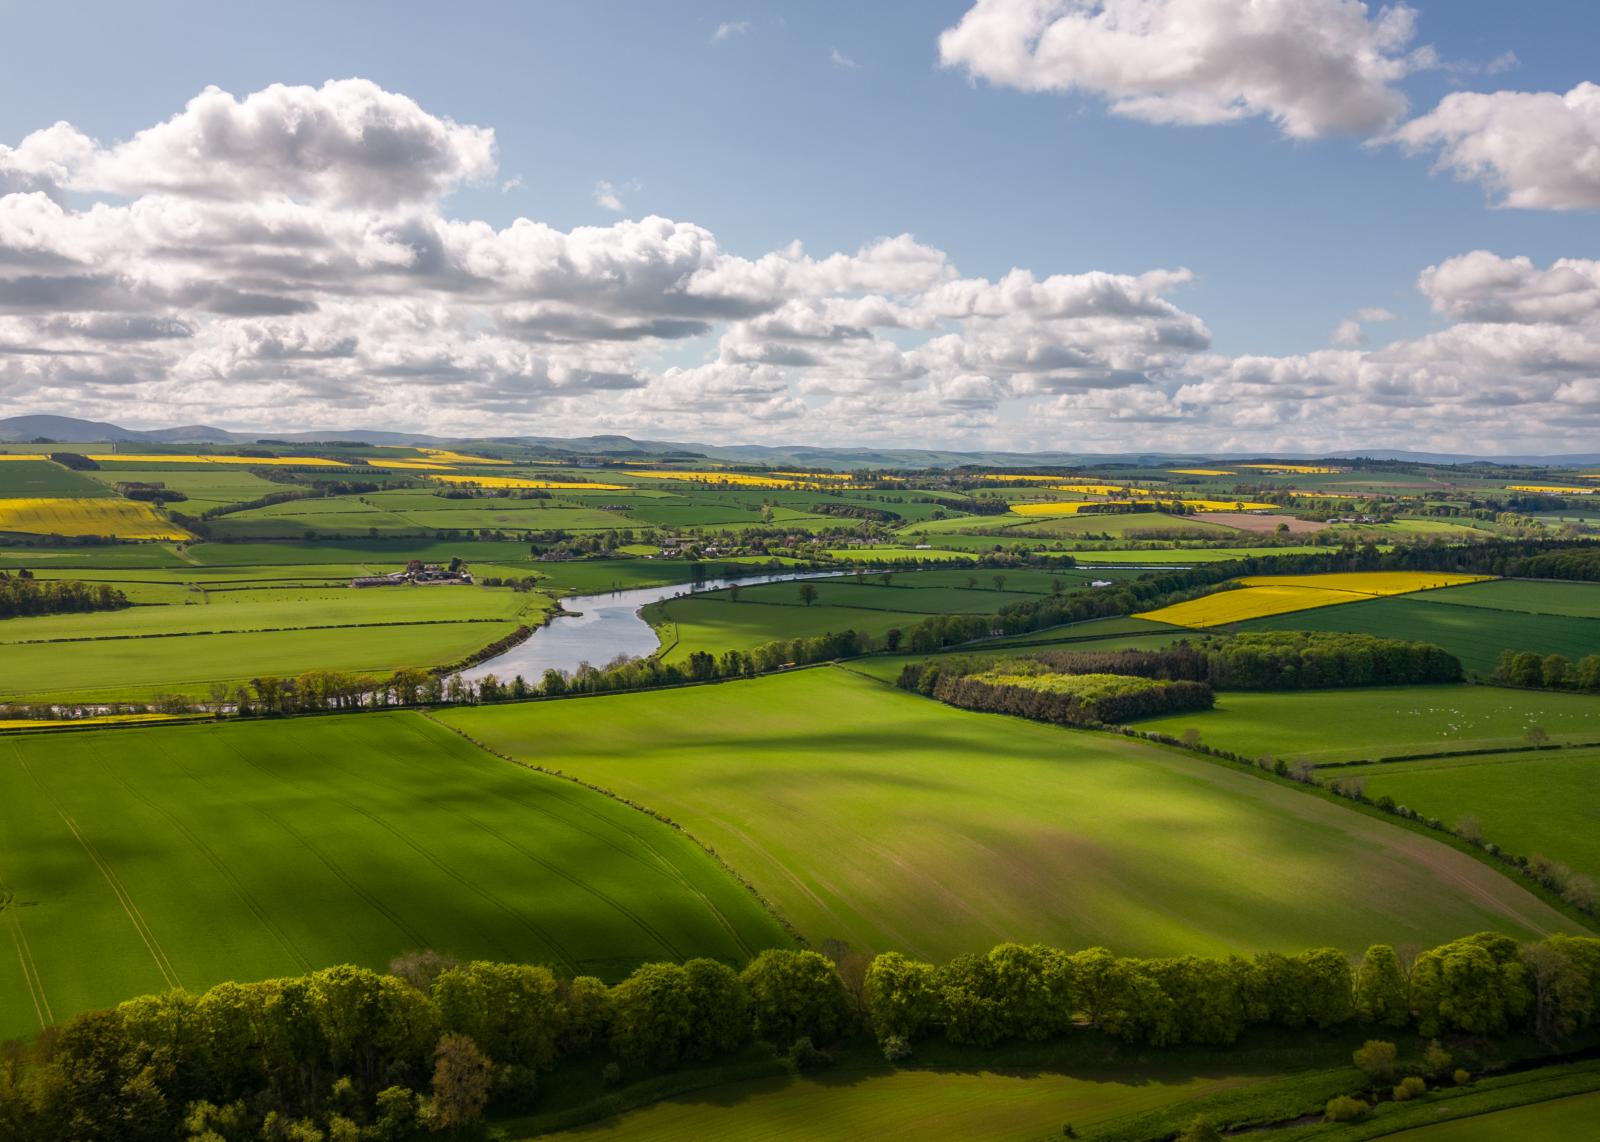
{"x": 67, "y": 428}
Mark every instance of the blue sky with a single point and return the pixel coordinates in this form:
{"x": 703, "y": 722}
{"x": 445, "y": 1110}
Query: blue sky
{"x": 835, "y": 124}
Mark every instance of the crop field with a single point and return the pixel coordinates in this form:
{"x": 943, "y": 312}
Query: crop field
{"x": 908, "y": 1105}
{"x": 140, "y": 860}
{"x": 525, "y": 482}
{"x": 134, "y": 669}
{"x": 124, "y": 519}
{"x": 892, "y": 821}
{"x": 1474, "y": 634}
{"x": 42, "y": 479}
{"x": 1262, "y": 595}
{"x": 1378, "y": 722}
{"x": 282, "y": 608}
{"x": 1530, "y": 596}
{"x": 1527, "y": 802}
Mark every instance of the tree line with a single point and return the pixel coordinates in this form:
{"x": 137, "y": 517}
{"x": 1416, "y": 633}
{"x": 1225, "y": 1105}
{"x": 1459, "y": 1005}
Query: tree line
{"x": 21, "y": 594}
{"x": 347, "y": 1054}
{"x": 1548, "y": 671}
{"x": 1267, "y": 660}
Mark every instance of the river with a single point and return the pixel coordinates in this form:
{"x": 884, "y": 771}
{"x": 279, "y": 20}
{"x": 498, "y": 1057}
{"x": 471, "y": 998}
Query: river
{"x": 604, "y": 626}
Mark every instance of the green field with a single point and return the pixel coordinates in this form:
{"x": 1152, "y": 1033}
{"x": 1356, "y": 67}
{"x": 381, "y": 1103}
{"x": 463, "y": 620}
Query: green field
{"x": 1529, "y": 596}
{"x": 135, "y": 669}
{"x": 1377, "y": 722}
{"x": 1559, "y": 1120}
{"x": 138, "y": 860}
{"x": 891, "y": 821}
{"x": 28, "y": 479}
{"x": 1473, "y": 633}
{"x": 1527, "y": 802}
{"x": 1020, "y": 1106}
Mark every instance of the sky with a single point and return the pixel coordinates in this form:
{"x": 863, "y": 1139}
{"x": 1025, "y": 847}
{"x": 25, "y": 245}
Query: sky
{"x": 1086, "y": 225}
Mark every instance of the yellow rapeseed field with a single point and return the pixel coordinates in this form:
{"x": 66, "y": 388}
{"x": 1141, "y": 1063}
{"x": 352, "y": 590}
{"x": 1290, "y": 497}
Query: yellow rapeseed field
{"x": 1551, "y": 489}
{"x": 410, "y": 465}
{"x": 175, "y": 458}
{"x": 67, "y": 723}
{"x": 1198, "y": 472}
{"x": 23, "y": 456}
{"x": 125, "y": 519}
{"x": 1227, "y": 506}
{"x": 1298, "y": 469}
{"x": 1068, "y": 507}
{"x": 525, "y": 482}
{"x": 1013, "y": 476}
{"x": 1102, "y": 489}
{"x": 1261, "y": 595}
{"x": 449, "y": 457}
{"x": 738, "y": 479}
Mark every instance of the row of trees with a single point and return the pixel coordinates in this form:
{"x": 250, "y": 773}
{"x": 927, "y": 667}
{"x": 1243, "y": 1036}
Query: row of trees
{"x": 1106, "y": 699}
{"x": 346, "y": 1053}
{"x": 22, "y": 594}
{"x": 1268, "y": 660}
{"x": 1548, "y": 671}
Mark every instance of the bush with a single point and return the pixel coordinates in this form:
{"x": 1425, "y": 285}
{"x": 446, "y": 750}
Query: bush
{"x": 1344, "y": 1109}
{"x": 1201, "y": 1129}
{"x": 1436, "y": 1060}
{"x": 1412, "y": 1086}
{"x": 1462, "y": 1076}
{"x": 895, "y": 1048}
{"x": 1376, "y": 1059}
{"x": 806, "y": 1057}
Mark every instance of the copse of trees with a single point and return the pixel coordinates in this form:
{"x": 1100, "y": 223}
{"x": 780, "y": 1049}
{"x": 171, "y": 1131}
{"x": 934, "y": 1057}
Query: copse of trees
{"x": 1072, "y": 699}
{"x": 1548, "y": 671}
{"x": 21, "y": 594}
{"x": 347, "y": 1053}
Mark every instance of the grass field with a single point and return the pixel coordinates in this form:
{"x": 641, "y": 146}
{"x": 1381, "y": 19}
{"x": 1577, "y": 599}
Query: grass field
{"x": 138, "y": 860}
{"x": 1559, "y": 1120}
{"x": 1527, "y": 802}
{"x": 892, "y": 821}
{"x": 844, "y": 1106}
{"x": 1474, "y": 634}
{"x": 713, "y": 622}
{"x": 1530, "y": 596}
{"x": 1347, "y": 725}
{"x": 135, "y": 669}
{"x": 38, "y": 479}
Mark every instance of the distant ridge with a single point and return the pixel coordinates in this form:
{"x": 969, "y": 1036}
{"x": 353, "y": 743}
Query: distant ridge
{"x": 68, "y": 428}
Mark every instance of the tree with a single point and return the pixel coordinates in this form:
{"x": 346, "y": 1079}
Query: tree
{"x": 902, "y": 995}
{"x": 808, "y": 594}
{"x": 1380, "y": 988}
{"x": 513, "y": 1012}
{"x": 999, "y": 582}
{"x": 461, "y": 1078}
{"x": 794, "y": 994}
{"x": 1563, "y": 994}
{"x": 1375, "y": 1058}
{"x": 1553, "y": 671}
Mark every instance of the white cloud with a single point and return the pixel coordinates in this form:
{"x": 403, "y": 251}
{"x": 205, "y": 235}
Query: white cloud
{"x": 606, "y": 195}
{"x": 842, "y": 61}
{"x": 1534, "y": 150}
{"x": 1313, "y": 67}
{"x": 729, "y": 30}
{"x": 281, "y": 299}
{"x": 1349, "y": 333}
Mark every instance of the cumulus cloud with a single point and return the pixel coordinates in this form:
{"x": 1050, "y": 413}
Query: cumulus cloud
{"x": 1313, "y": 67}
{"x": 1534, "y": 150}
{"x": 1352, "y": 330}
{"x": 729, "y": 30}
{"x": 282, "y": 298}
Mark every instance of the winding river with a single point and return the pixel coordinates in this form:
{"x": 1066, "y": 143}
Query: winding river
{"x": 603, "y": 627}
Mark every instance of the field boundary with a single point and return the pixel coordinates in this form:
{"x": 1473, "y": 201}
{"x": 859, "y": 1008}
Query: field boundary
{"x": 722, "y": 862}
